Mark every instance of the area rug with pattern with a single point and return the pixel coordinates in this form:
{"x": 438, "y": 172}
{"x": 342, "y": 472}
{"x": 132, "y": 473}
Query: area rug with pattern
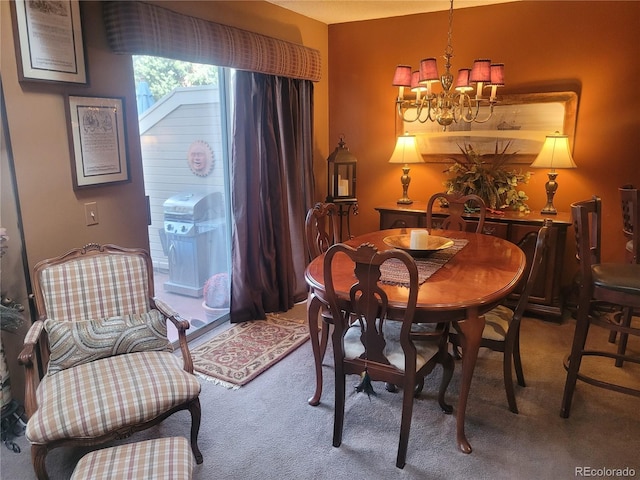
{"x": 241, "y": 353}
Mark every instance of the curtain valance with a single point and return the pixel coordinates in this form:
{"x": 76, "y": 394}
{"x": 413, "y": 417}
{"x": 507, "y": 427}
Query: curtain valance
{"x": 138, "y": 28}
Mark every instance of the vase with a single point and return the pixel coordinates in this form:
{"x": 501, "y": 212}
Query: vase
{"x": 212, "y": 314}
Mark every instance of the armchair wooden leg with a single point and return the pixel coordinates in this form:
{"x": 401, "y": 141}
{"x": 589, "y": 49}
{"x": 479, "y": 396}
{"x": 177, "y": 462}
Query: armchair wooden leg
{"x": 38, "y": 456}
{"x": 196, "y": 415}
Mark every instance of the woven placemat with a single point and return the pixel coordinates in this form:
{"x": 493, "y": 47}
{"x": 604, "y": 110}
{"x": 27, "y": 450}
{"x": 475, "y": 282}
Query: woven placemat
{"x": 393, "y": 272}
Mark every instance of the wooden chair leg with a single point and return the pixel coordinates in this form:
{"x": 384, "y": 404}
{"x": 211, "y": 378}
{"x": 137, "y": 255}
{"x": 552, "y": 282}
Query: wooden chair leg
{"x": 38, "y": 456}
{"x": 625, "y": 321}
{"x": 338, "y": 416}
{"x": 508, "y": 360}
{"x": 313, "y": 312}
{"x": 517, "y": 361}
{"x": 448, "y": 366}
{"x": 196, "y": 416}
{"x": 405, "y": 427}
{"x": 575, "y": 357}
{"x": 613, "y": 334}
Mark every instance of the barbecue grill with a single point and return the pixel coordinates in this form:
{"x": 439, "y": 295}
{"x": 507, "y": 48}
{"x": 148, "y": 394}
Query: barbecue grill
{"x": 195, "y": 243}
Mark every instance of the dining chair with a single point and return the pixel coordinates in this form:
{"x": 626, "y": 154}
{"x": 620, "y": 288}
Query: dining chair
{"x": 502, "y": 325}
{"x": 613, "y": 283}
{"x": 322, "y": 228}
{"x": 321, "y": 232}
{"x": 108, "y": 367}
{"x": 376, "y": 347}
{"x": 630, "y": 207}
{"x": 457, "y": 206}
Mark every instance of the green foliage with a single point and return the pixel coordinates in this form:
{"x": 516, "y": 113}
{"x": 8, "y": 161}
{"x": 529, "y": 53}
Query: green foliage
{"x": 485, "y": 176}
{"x": 165, "y": 74}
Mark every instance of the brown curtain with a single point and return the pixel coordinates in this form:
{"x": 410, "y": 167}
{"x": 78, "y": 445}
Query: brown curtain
{"x": 271, "y": 190}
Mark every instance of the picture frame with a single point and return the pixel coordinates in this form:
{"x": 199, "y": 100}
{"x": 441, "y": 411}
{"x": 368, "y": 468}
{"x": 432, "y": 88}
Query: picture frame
{"x": 49, "y": 41}
{"x": 519, "y": 123}
{"x": 97, "y": 140}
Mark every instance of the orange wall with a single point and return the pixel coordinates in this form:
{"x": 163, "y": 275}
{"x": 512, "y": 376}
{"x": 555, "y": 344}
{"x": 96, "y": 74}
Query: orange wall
{"x": 589, "y": 47}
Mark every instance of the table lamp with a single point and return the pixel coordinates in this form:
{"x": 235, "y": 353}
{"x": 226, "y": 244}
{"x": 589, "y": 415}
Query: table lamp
{"x": 555, "y": 153}
{"x": 406, "y": 152}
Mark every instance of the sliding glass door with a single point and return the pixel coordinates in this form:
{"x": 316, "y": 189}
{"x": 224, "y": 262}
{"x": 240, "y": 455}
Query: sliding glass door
{"x": 183, "y": 112}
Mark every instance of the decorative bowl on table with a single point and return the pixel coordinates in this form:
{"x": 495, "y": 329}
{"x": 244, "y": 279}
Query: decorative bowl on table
{"x": 433, "y": 244}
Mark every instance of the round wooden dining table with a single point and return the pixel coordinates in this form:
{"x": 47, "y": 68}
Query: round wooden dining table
{"x": 474, "y": 280}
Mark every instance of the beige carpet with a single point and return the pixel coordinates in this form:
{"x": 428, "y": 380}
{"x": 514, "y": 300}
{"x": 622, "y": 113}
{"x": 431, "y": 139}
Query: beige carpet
{"x": 238, "y": 355}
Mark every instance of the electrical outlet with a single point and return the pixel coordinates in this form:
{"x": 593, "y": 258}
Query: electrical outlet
{"x": 91, "y": 213}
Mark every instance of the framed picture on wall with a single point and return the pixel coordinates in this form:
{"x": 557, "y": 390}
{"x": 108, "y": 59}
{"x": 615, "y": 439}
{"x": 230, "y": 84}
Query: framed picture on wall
{"x": 97, "y": 140}
{"x": 519, "y": 121}
{"x": 49, "y": 44}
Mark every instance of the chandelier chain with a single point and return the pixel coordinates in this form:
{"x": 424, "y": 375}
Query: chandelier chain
{"x": 449, "y": 50}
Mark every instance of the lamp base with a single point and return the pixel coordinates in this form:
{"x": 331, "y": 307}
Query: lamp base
{"x": 404, "y": 201}
{"x": 549, "y": 210}
{"x": 551, "y": 186}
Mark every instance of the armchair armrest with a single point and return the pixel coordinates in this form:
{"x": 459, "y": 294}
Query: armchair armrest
{"x": 182, "y": 325}
{"x": 27, "y": 358}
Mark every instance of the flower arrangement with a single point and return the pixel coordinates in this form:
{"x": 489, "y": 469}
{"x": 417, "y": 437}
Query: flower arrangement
{"x": 485, "y": 176}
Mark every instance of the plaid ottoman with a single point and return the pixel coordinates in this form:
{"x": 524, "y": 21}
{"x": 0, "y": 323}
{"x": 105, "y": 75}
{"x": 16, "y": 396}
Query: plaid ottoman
{"x": 159, "y": 459}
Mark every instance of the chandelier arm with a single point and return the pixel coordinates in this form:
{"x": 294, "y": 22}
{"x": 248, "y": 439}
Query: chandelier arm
{"x": 403, "y": 114}
{"x": 485, "y": 120}
{"x": 430, "y": 116}
{"x": 470, "y": 116}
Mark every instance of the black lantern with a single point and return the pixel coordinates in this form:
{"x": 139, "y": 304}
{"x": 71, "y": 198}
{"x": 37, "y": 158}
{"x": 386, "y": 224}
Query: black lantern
{"x": 341, "y": 175}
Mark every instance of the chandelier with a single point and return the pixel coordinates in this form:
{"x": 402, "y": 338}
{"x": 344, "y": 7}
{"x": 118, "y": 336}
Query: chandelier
{"x": 452, "y": 104}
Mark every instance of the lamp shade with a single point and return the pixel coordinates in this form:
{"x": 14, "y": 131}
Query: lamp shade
{"x": 416, "y": 86}
{"x": 462, "y": 83}
{"x": 481, "y": 71}
{"x": 406, "y": 150}
{"x": 429, "y": 70}
{"x": 555, "y": 153}
{"x": 497, "y": 74}
{"x": 402, "y": 76}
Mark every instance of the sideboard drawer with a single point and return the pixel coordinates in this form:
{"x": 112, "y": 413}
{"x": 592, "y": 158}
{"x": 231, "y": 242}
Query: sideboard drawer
{"x": 402, "y": 220}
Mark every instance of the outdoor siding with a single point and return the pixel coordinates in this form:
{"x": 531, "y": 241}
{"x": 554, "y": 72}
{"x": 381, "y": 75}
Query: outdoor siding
{"x": 183, "y": 117}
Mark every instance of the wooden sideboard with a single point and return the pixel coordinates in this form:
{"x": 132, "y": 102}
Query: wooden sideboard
{"x": 518, "y": 228}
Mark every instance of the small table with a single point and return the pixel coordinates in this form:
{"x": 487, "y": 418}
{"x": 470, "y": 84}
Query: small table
{"x": 473, "y": 281}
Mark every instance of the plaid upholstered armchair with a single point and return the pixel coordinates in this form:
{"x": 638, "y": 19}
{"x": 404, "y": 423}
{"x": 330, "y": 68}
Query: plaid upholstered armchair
{"x": 109, "y": 370}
